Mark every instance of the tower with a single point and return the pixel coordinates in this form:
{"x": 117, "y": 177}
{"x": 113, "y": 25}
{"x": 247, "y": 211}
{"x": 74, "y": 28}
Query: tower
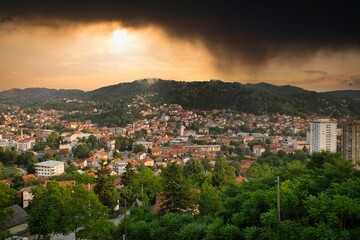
{"x": 322, "y": 135}
{"x": 350, "y": 144}
{"x": 182, "y": 129}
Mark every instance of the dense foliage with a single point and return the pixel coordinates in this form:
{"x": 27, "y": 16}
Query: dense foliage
{"x": 319, "y": 199}
{"x": 63, "y": 210}
{"x": 7, "y": 196}
{"x": 256, "y": 98}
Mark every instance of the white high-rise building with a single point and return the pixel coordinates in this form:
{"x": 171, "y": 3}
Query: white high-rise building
{"x": 322, "y": 135}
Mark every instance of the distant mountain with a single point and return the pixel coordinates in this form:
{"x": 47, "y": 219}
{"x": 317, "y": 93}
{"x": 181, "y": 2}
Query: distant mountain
{"x": 31, "y": 96}
{"x": 345, "y": 94}
{"x": 214, "y": 94}
{"x": 252, "y": 98}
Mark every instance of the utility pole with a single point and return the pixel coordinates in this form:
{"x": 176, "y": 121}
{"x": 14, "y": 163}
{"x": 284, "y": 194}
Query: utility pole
{"x": 124, "y": 235}
{"x": 278, "y": 197}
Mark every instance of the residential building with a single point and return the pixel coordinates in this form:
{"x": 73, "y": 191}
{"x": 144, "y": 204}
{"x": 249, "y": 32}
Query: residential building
{"x": 93, "y": 162}
{"x": 322, "y": 135}
{"x": 118, "y": 167}
{"x": 350, "y": 144}
{"x": 258, "y": 150}
{"x": 25, "y": 144}
{"x": 110, "y": 145}
{"x": 49, "y": 168}
{"x": 147, "y": 145}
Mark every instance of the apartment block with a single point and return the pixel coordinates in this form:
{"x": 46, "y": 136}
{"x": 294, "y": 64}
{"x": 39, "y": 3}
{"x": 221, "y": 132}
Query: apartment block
{"x": 49, "y": 168}
{"x": 322, "y": 135}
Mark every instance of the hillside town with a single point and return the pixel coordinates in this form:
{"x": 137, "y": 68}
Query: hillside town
{"x": 51, "y": 148}
{"x": 167, "y": 133}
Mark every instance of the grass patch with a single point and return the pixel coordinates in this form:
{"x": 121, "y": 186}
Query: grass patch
{"x": 10, "y": 171}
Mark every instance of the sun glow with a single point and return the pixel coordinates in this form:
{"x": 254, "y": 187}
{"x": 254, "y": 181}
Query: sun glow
{"x": 119, "y": 39}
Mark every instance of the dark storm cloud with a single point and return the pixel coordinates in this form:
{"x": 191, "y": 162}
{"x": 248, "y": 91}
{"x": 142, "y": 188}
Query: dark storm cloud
{"x": 250, "y": 31}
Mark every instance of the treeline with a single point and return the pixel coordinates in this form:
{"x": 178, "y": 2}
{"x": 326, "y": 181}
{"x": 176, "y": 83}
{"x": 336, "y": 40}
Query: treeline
{"x": 9, "y": 157}
{"x": 249, "y": 98}
{"x": 110, "y": 114}
{"x": 319, "y": 199}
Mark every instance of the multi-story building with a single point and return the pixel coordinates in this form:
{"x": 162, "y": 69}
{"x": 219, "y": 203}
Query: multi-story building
{"x": 118, "y": 167}
{"x": 25, "y": 144}
{"x": 350, "y": 144}
{"x": 322, "y": 135}
{"x": 49, "y": 168}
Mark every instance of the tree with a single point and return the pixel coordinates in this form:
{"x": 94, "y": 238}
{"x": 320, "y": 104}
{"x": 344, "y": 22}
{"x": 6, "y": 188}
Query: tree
{"x": 318, "y": 159}
{"x": 105, "y": 187}
{"x": 224, "y": 174}
{"x": 98, "y": 228}
{"x": 39, "y": 146}
{"x": 56, "y": 209}
{"x": 81, "y": 151}
{"x": 123, "y": 143}
{"x": 93, "y": 142}
{"x": 128, "y": 174}
{"x": 209, "y": 200}
{"x": 140, "y": 134}
{"x": 84, "y": 209}
{"x": 193, "y": 166}
{"x": 145, "y": 186}
{"x": 177, "y": 193}
{"x": 30, "y": 167}
{"x": 48, "y": 210}
{"x": 54, "y": 140}
{"x": 206, "y": 164}
{"x": 7, "y": 197}
{"x": 192, "y": 231}
{"x": 1, "y": 170}
{"x": 194, "y": 171}
{"x": 139, "y": 148}
{"x": 71, "y": 168}
{"x": 17, "y": 181}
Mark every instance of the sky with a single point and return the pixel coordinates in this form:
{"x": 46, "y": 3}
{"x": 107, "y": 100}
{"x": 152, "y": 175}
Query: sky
{"x": 90, "y": 44}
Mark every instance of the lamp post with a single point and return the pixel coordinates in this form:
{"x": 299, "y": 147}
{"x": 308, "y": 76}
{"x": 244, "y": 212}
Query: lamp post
{"x": 278, "y": 197}
{"x": 125, "y": 230}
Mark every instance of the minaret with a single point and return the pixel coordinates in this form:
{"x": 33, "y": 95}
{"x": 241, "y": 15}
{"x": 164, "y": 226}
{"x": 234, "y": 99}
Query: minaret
{"x": 22, "y": 134}
{"x": 182, "y": 129}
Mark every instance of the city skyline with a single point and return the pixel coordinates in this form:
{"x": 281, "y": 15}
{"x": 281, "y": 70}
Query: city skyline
{"x": 67, "y": 45}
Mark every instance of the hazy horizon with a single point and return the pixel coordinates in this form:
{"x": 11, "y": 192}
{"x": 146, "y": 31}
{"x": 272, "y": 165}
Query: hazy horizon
{"x": 72, "y": 45}
{"x": 89, "y": 90}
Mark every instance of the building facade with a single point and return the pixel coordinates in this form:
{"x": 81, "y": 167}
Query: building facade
{"x": 350, "y": 144}
{"x": 49, "y": 168}
{"x": 322, "y": 135}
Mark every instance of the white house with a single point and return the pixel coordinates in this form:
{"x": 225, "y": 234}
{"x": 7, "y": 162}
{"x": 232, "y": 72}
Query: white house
{"x": 25, "y": 144}
{"x": 258, "y": 150}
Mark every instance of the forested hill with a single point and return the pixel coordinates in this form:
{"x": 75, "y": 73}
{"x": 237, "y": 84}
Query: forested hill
{"x": 350, "y": 94}
{"x": 31, "y": 96}
{"x": 251, "y": 98}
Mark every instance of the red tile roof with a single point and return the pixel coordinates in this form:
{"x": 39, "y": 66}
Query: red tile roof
{"x": 29, "y": 177}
